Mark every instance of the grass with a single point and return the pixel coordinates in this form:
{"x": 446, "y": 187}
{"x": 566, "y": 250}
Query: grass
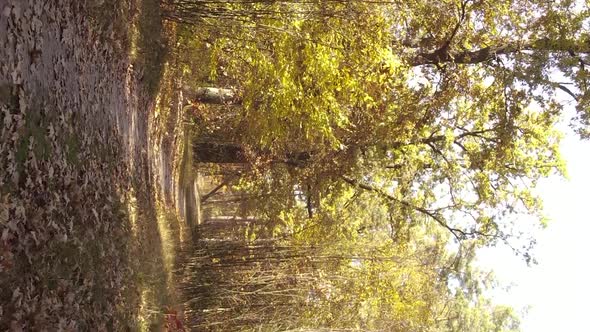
{"x": 151, "y": 48}
{"x": 160, "y": 232}
{"x": 141, "y": 34}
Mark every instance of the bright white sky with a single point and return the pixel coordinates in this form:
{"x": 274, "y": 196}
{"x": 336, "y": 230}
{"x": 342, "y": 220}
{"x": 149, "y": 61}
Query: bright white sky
{"x": 558, "y": 288}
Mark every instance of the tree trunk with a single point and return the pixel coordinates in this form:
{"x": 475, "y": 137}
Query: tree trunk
{"x": 219, "y": 153}
{"x": 228, "y": 153}
{"x": 210, "y": 95}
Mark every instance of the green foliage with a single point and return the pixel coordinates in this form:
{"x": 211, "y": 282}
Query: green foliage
{"x": 450, "y": 118}
{"x": 419, "y": 122}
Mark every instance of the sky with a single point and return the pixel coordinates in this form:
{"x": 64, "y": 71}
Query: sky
{"x": 557, "y": 289}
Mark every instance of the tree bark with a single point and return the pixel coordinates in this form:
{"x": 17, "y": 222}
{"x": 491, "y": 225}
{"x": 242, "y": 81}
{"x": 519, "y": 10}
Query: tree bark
{"x": 228, "y": 153}
{"x": 219, "y": 153}
{"x": 491, "y": 52}
{"x": 211, "y": 95}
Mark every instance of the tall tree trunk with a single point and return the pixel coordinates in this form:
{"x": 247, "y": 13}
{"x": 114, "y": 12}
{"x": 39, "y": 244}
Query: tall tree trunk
{"x": 211, "y": 95}
{"x": 228, "y": 153}
{"x": 219, "y": 153}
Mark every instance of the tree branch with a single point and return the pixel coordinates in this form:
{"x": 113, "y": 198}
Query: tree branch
{"x": 566, "y": 90}
{"x": 491, "y": 52}
{"x": 443, "y": 50}
{"x": 219, "y": 186}
{"x": 456, "y": 232}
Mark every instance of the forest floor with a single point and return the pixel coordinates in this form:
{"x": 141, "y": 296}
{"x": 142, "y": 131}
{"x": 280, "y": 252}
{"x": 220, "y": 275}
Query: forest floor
{"x": 89, "y": 150}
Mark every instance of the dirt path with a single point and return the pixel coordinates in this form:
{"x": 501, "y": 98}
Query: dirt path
{"x": 78, "y": 207}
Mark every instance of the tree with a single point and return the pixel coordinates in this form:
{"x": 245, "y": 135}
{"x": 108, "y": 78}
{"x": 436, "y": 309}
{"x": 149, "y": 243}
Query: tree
{"x": 377, "y": 133}
{"x": 211, "y": 95}
{"x": 353, "y": 276}
{"x": 444, "y": 112}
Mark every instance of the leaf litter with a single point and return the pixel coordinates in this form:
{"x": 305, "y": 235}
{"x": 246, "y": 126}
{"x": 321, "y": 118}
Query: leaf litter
{"x": 74, "y": 127}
